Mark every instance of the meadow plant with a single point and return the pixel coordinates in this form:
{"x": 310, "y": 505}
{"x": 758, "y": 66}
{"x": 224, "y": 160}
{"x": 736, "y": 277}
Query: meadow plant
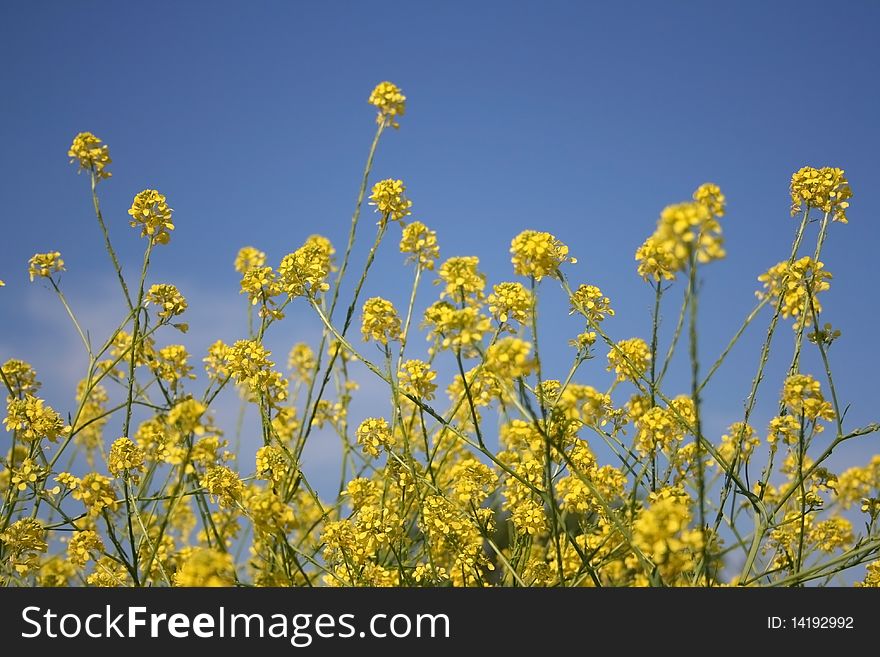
{"x": 504, "y": 474}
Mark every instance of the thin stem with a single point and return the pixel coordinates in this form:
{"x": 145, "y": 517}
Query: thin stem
{"x": 107, "y": 243}
{"x": 134, "y": 338}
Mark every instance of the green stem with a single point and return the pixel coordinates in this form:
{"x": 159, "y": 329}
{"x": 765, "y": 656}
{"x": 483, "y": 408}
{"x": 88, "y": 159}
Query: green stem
{"x": 107, "y": 243}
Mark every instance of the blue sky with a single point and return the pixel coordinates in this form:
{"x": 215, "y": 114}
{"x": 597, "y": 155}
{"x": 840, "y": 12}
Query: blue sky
{"x": 584, "y": 119}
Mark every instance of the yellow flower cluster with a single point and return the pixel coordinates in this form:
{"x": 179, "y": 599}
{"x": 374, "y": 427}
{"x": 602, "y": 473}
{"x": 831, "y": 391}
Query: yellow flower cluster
{"x": 658, "y": 428}
{"x": 96, "y": 493}
{"x": 739, "y": 442}
{"x": 859, "y": 483}
{"x": 389, "y": 198}
{"x": 420, "y": 242}
{"x": 168, "y": 299}
{"x": 248, "y": 363}
{"x": 260, "y": 284}
{"x": 83, "y": 547}
{"x": 589, "y": 301}
{"x": 796, "y": 288}
{"x": 205, "y": 567}
{"x": 43, "y": 265}
{"x": 304, "y": 272}
{"x": 380, "y": 321}
{"x": 785, "y": 428}
{"x": 510, "y": 302}
{"x": 510, "y": 358}
{"x": 709, "y": 194}
{"x": 224, "y": 484}
{"x": 32, "y": 419}
{"x": 249, "y": 257}
{"x": 270, "y": 515}
{"x": 462, "y": 279}
{"x": 802, "y": 395}
{"x": 825, "y": 189}
{"x": 22, "y": 378}
{"x": 390, "y": 101}
{"x": 150, "y": 212}
{"x": 456, "y": 328}
{"x": 689, "y": 227}
{"x": 629, "y": 359}
{"x": 91, "y": 154}
{"x": 272, "y": 464}
{"x": 661, "y": 532}
{"x": 538, "y": 254}
{"x": 373, "y": 434}
{"x": 171, "y": 364}
{"x": 27, "y": 474}
{"x": 23, "y": 541}
{"x": 416, "y": 378}
{"x": 656, "y": 259}
{"x": 684, "y": 231}
{"x": 125, "y": 458}
{"x": 301, "y": 361}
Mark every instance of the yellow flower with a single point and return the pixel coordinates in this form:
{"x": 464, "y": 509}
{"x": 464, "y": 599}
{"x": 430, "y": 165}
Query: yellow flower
{"x": 658, "y": 428}
{"x": 171, "y": 364}
{"x": 798, "y": 286}
{"x": 301, "y": 361}
{"x": 261, "y": 285}
{"x": 373, "y": 434}
{"x": 270, "y": 515}
{"x": 96, "y": 493}
{"x": 656, "y": 259}
{"x": 83, "y": 546}
{"x": 125, "y": 458}
{"x": 168, "y": 298}
{"x": 785, "y": 428}
{"x": 538, "y": 254}
{"x": 304, "y": 272}
{"x": 32, "y": 419}
{"x": 529, "y": 518}
{"x": 248, "y": 363}
{"x": 416, "y": 378}
{"x": 589, "y": 301}
{"x": 109, "y": 573}
{"x": 389, "y": 198}
{"x": 457, "y": 328}
{"x": 709, "y": 194}
{"x": 421, "y": 243}
{"x": 21, "y": 377}
{"x": 510, "y": 302}
{"x": 461, "y": 278}
{"x": 825, "y": 189}
{"x": 206, "y": 567}
{"x": 151, "y": 213}
{"x": 509, "y": 358}
{"x": 739, "y": 442}
{"x": 215, "y": 361}
{"x": 91, "y": 155}
{"x": 249, "y": 257}
{"x": 45, "y": 264}
{"x": 23, "y": 540}
{"x": 629, "y": 359}
{"x": 224, "y": 484}
{"x": 688, "y": 227}
{"x": 272, "y": 464}
{"x": 380, "y": 321}
{"x": 802, "y": 395}
{"x": 29, "y": 473}
{"x": 390, "y": 102}
{"x": 661, "y": 532}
